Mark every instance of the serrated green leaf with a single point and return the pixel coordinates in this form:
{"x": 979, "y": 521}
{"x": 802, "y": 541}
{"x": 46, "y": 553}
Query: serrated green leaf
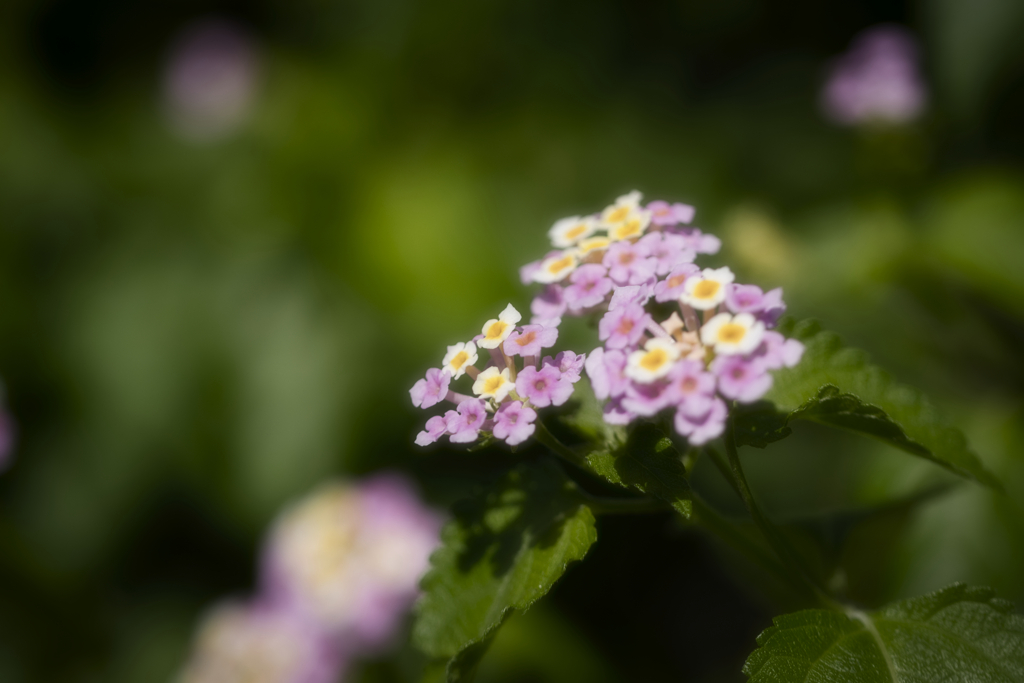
{"x": 647, "y": 462}
{"x": 837, "y": 386}
{"x": 956, "y": 635}
{"x": 502, "y": 552}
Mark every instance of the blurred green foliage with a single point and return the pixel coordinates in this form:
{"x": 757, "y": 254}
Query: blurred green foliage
{"x": 192, "y": 334}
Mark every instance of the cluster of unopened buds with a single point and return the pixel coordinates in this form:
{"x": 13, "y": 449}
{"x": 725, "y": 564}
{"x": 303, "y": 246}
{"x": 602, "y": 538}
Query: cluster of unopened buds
{"x": 675, "y": 336}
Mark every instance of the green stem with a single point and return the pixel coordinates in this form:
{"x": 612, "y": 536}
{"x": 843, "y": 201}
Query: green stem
{"x": 622, "y": 506}
{"x": 771, "y": 534}
{"x": 557, "y": 447}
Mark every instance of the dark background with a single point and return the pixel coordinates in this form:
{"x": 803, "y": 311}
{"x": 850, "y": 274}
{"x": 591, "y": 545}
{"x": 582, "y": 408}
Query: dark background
{"x": 193, "y": 332}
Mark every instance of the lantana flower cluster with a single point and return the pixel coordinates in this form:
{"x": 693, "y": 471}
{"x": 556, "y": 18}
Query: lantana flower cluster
{"x": 340, "y": 570}
{"x": 516, "y": 379}
{"x": 675, "y": 336}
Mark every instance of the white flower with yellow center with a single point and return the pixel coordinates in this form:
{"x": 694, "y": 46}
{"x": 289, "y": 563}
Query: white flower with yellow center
{"x": 633, "y": 226}
{"x": 493, "y": 384}
{"x": 495, "y": 332}
{"x": 618, "y": 212}
{"x": 459, "y": 357}
{"x": 653, "y": 362}
{"x": 732, "y": 334}
{"x": 593, "y": 244}
{"x": 569, "y": 231}
{"x": 706, "y": 291}
{"x": 556, "y": 268}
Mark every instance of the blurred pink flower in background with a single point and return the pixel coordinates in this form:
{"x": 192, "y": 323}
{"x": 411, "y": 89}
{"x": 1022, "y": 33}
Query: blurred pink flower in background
{"x": 877, "y": 80}
{"x": 210, "y": 80}
{"x": 6, "y": 434}
{"x": 340, "y": 570}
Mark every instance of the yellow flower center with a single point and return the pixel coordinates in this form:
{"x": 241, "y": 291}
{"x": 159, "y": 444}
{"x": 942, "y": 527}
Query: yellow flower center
{"x": 458, "y": 361}
{"x": 630, "y": 228}
{"x": 706, "y": 289}
{"x": 496, "y": 329}
{"x": 593, "y": 243}
{"x": 492, "y": 384}
{"x": 653, "y": 360}
{"x": 731, "y": 333}
{"x": 561, "y": 264}
{"x": 575, "y": 231}
{"x": 617, "y": 215}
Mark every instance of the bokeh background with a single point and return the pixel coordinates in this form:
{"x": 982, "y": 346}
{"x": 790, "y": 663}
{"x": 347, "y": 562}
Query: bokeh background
{"x": 217, "y": 285}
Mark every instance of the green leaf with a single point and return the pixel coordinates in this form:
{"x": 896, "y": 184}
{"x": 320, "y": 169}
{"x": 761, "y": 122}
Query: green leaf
{"x": 837, "y": 386}
{"x": 956, "y": 635}
{"x": 647, "y": 462}
{"x": 502, "y": 552}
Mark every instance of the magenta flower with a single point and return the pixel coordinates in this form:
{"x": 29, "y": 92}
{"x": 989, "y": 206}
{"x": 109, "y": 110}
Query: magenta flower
{"x": 435, "y": 429}
{"x": 513, "y": 423}
{"x": 744, "y": 298}
{"x": 549, "y": 305}
{"x": 647, "y": 399}
{"x": 777, "y": 352}
{"x": 431, "y": 390}
{"x": 667, "y": 250}
{"x": 465, "y": 425}
{"x": 663, "y": 213}
{"x": 589, "y": 287}
{"x": 623, "y": 327}
{"x": 877, "y": 80}
{"x": 530, "y": 340}
{"x": 772, "y": 307}
{"x": 631, "y": 294}
{"x": 690, "y": 385}
{"x": 741, "y": 379}
{"x": 607, "y": 372}
{"x": 671, "y": 287}
{"x": 700, "y": 430}
{"x": 544, "y": 387}
{"x": 628, "y": 263}
{"x": 568, "y": 363}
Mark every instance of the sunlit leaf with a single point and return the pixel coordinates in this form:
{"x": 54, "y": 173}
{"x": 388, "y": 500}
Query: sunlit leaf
{"x": 502, "y": 552}
{"x": 956, "y": 635}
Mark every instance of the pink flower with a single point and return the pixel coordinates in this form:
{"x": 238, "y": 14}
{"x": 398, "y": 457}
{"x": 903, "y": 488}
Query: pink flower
{"x": 616, "y": 414}
{"x": 568, "y": 363}
{"x": 691, "y": 386}
{"x": 607, "y": 372}
{"x": 623, "y": 327}
{"x": 514, "y": 423}
{"x": 548, "y": 305}
{"x": 744, "y": 298}
{"x": 435, "y": 429}
{"x": 667, "y": 250}
{"x": 647, "y": 399}
{"x": 700, "y": 430}
{"x": 589, "y": 287}
{"x": 697, "y": 240}
{"x": 465, "y": 425}
{"x": 741, "y": 379}
{"x": 431, "y": 390}
{"x": 631, "y": 294}
{"x": 777, "y": 352}
{"x": 671, "y": 287}
{"x": 772, "y": 307}
{"x": 663, "y": 213}
{"x": 544, "y": 387}
{"x": 530, "y": 340}
{"x": 628, "y": 263}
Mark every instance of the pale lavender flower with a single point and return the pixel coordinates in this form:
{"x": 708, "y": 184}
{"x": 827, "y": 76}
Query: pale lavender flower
{"x": 256, "y": 642}
{"x": 628, "y": 263}
{"x": 700, "y": 430}
{"x": 698, "y": 241}
{"x": 436, "y": 427}
{"x": 607, "y": 372}
{"x": 772, "y": 307}
{"x": 877, "y": 80}
{"x": 210, "y": 80}
{"x": 667, "y": 250}
{"x": 589, "y": 287}
{"x": 630, "y": 294}
{"x": 623, "y": 327}
{"x": 514, "y": 423}
{"x": 465, "y": 425}
{"x": 777, "y": 352}
{"x": 568, "y": 363}
{"x": 691, "y": 386}
{"x": 530, "y": 339}
{"x": 744, "y": 298}
{"x": 544, "y": 387}
{"x": 431, "y": 390}
{"x": 663, "y": 213}
{"x": 741, "y": 379}
{"x": 647, "y": 399}
{"x": 671, "y": 287}
{"x": 548, "y": 306}
{"x": 616, "y": 414}
{"x": 349, "y": 558}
